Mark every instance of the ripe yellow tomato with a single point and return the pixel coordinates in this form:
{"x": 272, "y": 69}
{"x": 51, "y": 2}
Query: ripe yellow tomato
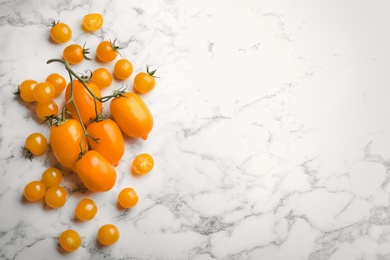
{"x": 55, "y": 196}
{"x": 70, "y": 240}
{"x": 58, "y": 82}
{"x": 111, "y": 143}
{"x": 142, "y": 164}
{"x": 92, "y": 22}
{"x": 44, "y": 92}
{"x": 127, "y": 198}
{"x": 26, "y": 90}
{"x": 123, "y": 69}
{"x": 132, "y": 115}
{"x": 65, "y": 142}
{"x": 44, "y": 110}
{"x": 60, "y": 32}
{"x": 52, "y": 177}
{"x": 35, "y": 144}
{"x": 108, "y": 234}
{"x": 34, "y": 191}
{"x": 102, "y": 77}
{"x": 144, "y": 82}
{"x": 86, "y": 210}
{"x": 84, "y": 101}
{"x": 107, "y": 51}
{"x": 95, "y": 172}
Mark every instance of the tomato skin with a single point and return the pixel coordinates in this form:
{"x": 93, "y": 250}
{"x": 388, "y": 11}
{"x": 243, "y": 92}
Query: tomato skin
{"x": 58, "y": 82}
{"x": 92, "y": 22}
{"x": 132, "y": 115}
{"x": 106, "y": 52}
{"x": 84, "y": 101}
{"x": 26, "y": 89}
{"x": 96, "y": 173}
{"x": 65, "y": 142}
{"x": 74, "y": 54}
{"x": 123, "y": 69}
{"x": 111, "y": 143}
{"x": 144, "y": 82}
{"x": 102, "y": 77}
{"x": 60, "y": 32}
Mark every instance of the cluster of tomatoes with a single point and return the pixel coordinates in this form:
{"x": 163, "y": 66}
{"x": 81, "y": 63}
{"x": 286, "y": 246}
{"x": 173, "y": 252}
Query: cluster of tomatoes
{"x": 82, "y": 138}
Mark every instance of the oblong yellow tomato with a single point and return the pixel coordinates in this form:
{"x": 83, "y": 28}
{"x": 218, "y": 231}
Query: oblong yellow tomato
{"x": 132, "y": 115}
{"x": 111, "y": 143}
{"x": 65, "y": 142}
{"x": 84, "y": 100}
{"x": 95, "y": 172}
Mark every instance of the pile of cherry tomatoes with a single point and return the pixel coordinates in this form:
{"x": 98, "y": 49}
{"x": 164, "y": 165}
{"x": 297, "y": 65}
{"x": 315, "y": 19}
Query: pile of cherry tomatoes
{"x": 82, "y": 138}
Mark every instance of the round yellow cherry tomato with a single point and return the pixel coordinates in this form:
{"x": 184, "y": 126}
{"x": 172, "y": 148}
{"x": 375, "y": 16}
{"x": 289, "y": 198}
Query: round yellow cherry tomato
{"x": 35, "y": 191}
{"x": 86, "y": 209}
{"x": 127, "y": 198}
{"x": 60, "y": 32}
{"x": 108, "y": 234}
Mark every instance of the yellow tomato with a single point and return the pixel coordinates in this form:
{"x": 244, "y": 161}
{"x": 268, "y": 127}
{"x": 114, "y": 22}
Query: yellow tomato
{"x": 132, "y": 115}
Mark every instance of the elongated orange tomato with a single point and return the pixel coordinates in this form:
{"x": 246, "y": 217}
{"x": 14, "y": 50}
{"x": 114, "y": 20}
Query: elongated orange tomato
{"x": 110, "y": 144}
{"x": 96, "y": 173}
{"x": 84, "y": 100}
{"x": 132, "y": 115}
{"x": 65, "y": 142}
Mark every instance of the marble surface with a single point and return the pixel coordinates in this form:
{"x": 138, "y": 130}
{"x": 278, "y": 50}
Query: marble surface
{"x": 271, "y": 136}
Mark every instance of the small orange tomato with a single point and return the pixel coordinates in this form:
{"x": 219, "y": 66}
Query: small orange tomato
{"x": 44, "y": 92}
{"x": 107, "y": 51}
{"x": 46, "y": 109}
{"x": 60, "y": 32}
{"x": 132, "y": 115}
{"x": 101, "y": 77}
{"x": 127, "y": 198}
{"x": 69, "y": 240}
{"x": 86, "y": 209}
{"x": 108, "y": 234}
{"x": 52, "y": 177}
{"x": 144, "y": 81}
{"x": 142, "y": 164}
{"x": 34, "y": 191}
{"x": 84, "y": 101}
{"x": 92, "y": 22}
{"x": 35, "y": 144}
{"x": 58, "y": 82}
{"x": 123, "y": 69}
{"x": 55, "y": 196}
{"x": 65, "y": 142}
{"x": 74, "y": 54}
{"x": 26, "y": 90}
{"x": 110, "y": 144}
{"x": 95, "y": 172}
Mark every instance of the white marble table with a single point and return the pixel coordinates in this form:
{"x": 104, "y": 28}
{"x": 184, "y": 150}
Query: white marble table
{"x": 271, "y": 136}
